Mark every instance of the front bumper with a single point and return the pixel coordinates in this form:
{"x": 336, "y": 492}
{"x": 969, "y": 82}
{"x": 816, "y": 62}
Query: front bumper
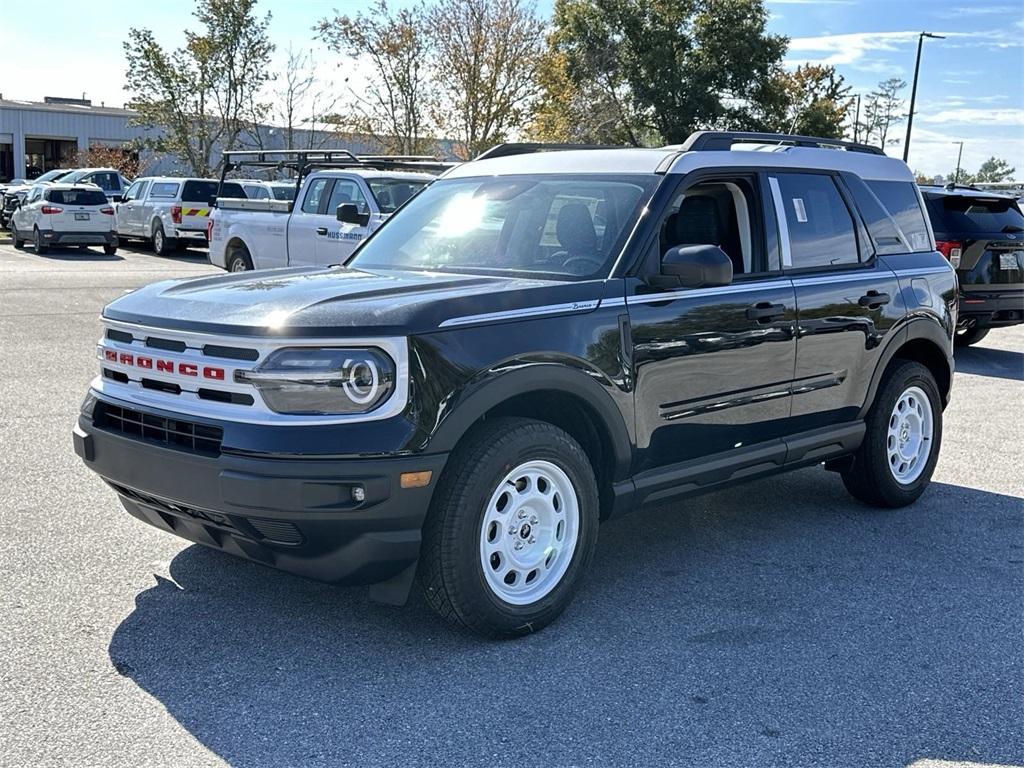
{"x": 52, "y": 237}
{"x": 992, "y": 309}
{"x": 295, "y": 514}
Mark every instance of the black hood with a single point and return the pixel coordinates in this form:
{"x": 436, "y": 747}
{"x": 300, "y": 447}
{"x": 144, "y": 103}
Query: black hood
{"x": 313, "y": 301}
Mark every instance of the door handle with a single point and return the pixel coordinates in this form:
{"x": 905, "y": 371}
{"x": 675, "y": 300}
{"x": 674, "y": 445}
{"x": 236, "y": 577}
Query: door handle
{"x": 874, "y": 299}
{"x": 321, "y": 230}
{"x": 764, "y": 311}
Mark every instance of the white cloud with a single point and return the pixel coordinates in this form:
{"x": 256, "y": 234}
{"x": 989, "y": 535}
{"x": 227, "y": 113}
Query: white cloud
{"x": 974, "y": 116}
{"x": 851, "y": 47}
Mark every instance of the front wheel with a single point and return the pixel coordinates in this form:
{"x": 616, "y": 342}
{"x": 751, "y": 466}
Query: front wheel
{"x": 110, "y": 250}
{"x": 18, "y": 242}
{"x": 967, "y": 336}
{"x": 512, "y": 529}
{"x": 894, "y": 464}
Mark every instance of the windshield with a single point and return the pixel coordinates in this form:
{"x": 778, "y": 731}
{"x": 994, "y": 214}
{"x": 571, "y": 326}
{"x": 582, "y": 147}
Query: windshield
{"x": 53, "y": 175}
{"x": 392, "y": 193}
{"x": 971, "y": 215}
{"x": 556, "y": 227}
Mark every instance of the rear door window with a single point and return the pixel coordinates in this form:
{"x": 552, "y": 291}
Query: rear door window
{"x": 200, "y": 191}
{"x": 821, "y": 229}
{"x": 313, "y": 195}
{"x": 901, "y": 201}
{"x": 968, "y": 215}
{"x": 165, "y": 189}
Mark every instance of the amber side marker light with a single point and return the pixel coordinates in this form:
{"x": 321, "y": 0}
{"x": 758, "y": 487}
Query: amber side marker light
{"x": 415, "y": 479}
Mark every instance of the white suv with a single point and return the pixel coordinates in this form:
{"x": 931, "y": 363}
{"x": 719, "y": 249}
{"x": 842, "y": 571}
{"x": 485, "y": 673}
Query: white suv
{"x": 65, "y": 214}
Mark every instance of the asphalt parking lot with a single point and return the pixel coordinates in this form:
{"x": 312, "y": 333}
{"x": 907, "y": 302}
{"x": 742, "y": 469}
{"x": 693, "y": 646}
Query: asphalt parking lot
{"x": 776, "y": 623}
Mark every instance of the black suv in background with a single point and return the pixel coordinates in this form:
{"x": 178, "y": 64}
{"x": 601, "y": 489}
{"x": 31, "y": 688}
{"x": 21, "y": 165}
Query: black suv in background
{"x": 982, "y": 235}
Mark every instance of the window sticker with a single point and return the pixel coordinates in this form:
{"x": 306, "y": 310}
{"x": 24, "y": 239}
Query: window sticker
{"x": 801, "y": 211}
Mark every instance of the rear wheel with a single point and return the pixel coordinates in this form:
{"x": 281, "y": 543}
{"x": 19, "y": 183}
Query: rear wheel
{"x": 894, "y": 464}
{"x": 238, "y": 260}
{"x": 967, "y": 336}
{"x": 512, "y": 529}
{"x": 37, "y": 242}
{"x": 110, "y": 250}
{"x": 162, "y": 245}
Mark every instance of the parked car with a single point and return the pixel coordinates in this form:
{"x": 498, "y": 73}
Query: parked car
{"x": 109, "y": 180}
{"x": 17, "y": 191}
{"x": 269, "y": 190}
{"x": 537, "y": 342}
{"x": 64, "y": 214}
{"x": 169, "y": 212}
{"x": 344, "y": 200}
{"x": 982, "y": 234}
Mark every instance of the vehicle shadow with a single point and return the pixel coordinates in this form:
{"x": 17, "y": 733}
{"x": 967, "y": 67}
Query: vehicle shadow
{"x": 77, "y": 254}
{"x": 774, "y": 623}
{"x": 997, "y": 363}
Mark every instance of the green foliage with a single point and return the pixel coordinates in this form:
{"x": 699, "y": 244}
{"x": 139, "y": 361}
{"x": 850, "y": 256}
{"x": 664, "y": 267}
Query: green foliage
{"x": 817, "y": 101}
{"x": 202, "y": 95}
{"x": 664, "y": 68}
{"x": 393, "y": 106}
{"x": 992, "y": 171}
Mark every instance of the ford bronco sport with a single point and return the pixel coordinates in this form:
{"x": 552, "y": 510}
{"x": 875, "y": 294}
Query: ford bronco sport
{"x": 538, "y": 341}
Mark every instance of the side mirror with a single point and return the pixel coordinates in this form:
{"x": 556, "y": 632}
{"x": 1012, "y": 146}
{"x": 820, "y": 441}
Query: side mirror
{"x": 697, "y": 266}
{"x": 348, "y": 213}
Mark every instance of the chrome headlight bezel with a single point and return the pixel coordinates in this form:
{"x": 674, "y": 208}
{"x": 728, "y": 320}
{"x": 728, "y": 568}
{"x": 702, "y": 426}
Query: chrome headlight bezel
{"x": 324, "y": 380}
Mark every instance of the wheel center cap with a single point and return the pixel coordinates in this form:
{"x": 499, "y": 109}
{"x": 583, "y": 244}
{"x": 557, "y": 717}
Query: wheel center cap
{"x": 524, "y": 531}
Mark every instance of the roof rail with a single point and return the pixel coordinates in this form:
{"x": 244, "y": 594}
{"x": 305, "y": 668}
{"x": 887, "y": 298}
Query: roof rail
{"x": 703, "y": 141}
{"x": 528, "y": 148}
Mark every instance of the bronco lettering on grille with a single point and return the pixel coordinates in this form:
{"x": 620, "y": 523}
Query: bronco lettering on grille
{"x": 211, "y": 372}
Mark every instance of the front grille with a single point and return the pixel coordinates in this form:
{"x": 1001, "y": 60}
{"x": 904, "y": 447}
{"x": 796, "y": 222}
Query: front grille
{"x": 277, "y": 531}
{"x": 169, "y": 433}
{"x": 173, "y": 508}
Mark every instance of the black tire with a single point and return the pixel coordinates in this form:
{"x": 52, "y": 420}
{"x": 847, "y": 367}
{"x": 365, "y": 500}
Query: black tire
{"x": 18, "y": 242}
{"x": 162, "y": 245}
{"x": 870, "y": 477}
{"x": 451, "y": 574}
{"x": 969, "y": 336}
{"x": 38, "y": 245}
{"x": 110, "y": 250}
{"x": 238, "y": 260}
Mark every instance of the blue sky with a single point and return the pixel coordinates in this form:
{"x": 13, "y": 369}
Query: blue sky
{"x": 972, "y": 83}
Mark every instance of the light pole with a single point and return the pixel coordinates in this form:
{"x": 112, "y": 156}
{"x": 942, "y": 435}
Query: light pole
{"x": 959, "y": 157}
{"x": 913, "y": 90}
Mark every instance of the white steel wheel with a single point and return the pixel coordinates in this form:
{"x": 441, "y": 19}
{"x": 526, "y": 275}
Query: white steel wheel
{"x": 909, "y": 439}
{"x": 529, "y": 532}
{"x": 237, "y": 265}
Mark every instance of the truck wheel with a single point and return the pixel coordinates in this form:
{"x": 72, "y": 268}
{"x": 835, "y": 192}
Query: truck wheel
{"x": 512, "y": 528}
{"x": 110, "y": 250}
{"x": 37, "y": 242}
{"x": 894, "y": 464}
{"x": 238, "y": 260}
{"x": 18, "y": 242}
{"x": 969, "y": 336}
{"x": 162, "y": 245}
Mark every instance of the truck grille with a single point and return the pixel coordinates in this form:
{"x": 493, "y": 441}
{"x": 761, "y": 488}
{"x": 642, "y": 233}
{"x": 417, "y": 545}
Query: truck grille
{"x": 169, "y": 433}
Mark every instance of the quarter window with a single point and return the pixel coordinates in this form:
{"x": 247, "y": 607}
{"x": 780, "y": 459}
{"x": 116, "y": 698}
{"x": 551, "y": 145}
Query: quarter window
{"x": 165, "y": 189}
{"x": 821, "y": 229}
{"x": 312, "y": 202}
{"x": 901, "y": 200}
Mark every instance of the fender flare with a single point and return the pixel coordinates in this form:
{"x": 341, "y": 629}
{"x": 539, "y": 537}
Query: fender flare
{"x": 926, "y": 329}
{"x": 503, "y": 386}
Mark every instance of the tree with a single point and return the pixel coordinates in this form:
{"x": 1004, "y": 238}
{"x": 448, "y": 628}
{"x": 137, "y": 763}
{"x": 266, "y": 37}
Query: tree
{"x": 203, "y": 95}
{"x": 816, "y": 101}
{"x": 993, "y": 171}
{"x": 393, "y": 106}
{"x": 487, "y": 54}
{"x": 300, "y": 106}
{"x": 669, "y": 67}
{"x": 882, "y": 111}
{"x": 124, "y": 158}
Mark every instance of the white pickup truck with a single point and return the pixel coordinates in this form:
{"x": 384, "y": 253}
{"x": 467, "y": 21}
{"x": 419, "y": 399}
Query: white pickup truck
{"x": 336, "y": 208}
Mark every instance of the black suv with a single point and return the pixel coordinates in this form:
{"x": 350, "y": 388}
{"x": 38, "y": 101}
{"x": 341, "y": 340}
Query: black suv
{"x": 982, "y": 234}
{"x": 538, "y": 341}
